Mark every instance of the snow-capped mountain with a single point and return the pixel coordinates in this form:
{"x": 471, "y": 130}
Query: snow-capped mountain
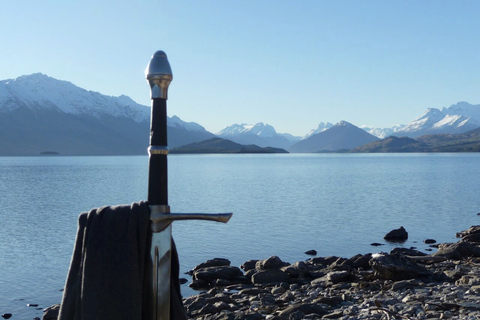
{"x": 39, "y": 113}
{"x": 41, "y": 91}
{"x": 259, "y": 129}
{"x": 263, "y": 135}
{"x": 458, "y": 118}
{"x": 383, "y": 132}
{"x": 321, "y": 127}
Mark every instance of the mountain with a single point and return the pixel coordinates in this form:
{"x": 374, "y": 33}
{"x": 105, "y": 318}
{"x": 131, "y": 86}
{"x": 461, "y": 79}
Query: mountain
{"x": 263, "y": 135}
{"x": 463, "y": 142}
{"x": 458, "y": 118}
{"x": 219, "y": 145}
{"x": 42, "y": 114}
{"x": 391, "y": 144}
{"x": 321, "y": 127}
{"x": 342, "y": 136}
{"x": 383, "y": 132}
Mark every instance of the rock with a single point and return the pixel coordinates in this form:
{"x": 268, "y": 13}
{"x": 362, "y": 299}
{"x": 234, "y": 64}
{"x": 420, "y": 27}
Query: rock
{"x": 270, "y": 276}
{"x": 337, "y": 276}
{"x": 407, "y": 252}
{"x": 311, "y": 252}
{"x": 296, "y": 270}
{"x": 458, "y": 250}
{"x": 360, "y": 261}
{"x": 396, "y": 267}
{"x": 397, "y": 235}
{"x": 6, "y": 315}
{"x": 376, "y": 244}
{"x": 248, "y": 265}
{"x": 472, "y": 234}
{"x": 209, "y": 274}
{"x": 216, "y": 262}
{"x": 51, "y": 313}
{"x": 429, "y": 241}
{"x": 304, "y": 308}
{"x": 273, "y": 262}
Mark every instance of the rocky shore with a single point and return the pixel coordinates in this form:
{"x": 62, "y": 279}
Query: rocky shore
{"x": 402, "y": 284}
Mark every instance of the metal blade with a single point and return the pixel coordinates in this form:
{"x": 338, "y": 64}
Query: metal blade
{"x": 161, "y": 259}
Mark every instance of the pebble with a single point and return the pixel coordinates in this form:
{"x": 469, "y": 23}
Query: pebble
{"x": 443, "y": 285}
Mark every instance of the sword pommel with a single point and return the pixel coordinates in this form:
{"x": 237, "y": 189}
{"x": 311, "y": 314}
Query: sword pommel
{"x": 159, "y": 75}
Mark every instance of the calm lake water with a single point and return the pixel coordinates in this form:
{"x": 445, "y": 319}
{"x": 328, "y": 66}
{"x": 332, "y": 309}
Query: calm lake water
{"x": 284, "y": 205}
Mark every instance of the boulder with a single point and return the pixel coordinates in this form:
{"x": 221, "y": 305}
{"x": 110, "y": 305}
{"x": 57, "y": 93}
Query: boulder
{"x": 273, "y": 262}
{"x": 270, "y": 276}
{"x": 216, "y": 262}
{"x": 457, "y": 251}
{"x": 297, "y": 270}
{"x": 248, "y": 265}
{"x": 211, "y": 274}
{"x": 396, "y": 267}
{"x": 472, "y": 234}
{"x": 397, "y": 235}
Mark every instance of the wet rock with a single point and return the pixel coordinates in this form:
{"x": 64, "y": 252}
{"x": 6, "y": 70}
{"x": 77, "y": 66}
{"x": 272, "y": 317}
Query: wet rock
{"x": 397, "y": 235}
{"x": 311, "y": 252}
{"x": 429, "y": 241}
{"x": 376, "y": 244}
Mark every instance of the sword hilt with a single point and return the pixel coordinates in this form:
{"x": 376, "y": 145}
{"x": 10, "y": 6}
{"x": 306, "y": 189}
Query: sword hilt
{"x": 161, "y": 217}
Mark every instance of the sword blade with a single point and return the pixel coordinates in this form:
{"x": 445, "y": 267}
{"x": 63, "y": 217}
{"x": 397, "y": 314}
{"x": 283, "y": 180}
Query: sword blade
{"x": 161, "y": 259}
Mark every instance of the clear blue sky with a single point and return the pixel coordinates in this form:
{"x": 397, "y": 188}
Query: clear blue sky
{"x": 291, "y": 64}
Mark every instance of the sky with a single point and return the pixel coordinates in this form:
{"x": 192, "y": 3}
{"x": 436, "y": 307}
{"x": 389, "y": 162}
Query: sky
{"x": 290, "y": 64}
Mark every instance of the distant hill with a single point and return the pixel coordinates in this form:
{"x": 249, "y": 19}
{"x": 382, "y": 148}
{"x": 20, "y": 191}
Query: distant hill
{"x": 219, "y": 145}
{"x": 342, "y": 136}
{"x": 263, "y": 135}
{"x": 41, "y": 114}
{"x": 463, "y": 142}
{"x": 391, "y": 144}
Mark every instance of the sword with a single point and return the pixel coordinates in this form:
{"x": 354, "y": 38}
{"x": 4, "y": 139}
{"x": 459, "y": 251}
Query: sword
{"x": 159, "y": 76}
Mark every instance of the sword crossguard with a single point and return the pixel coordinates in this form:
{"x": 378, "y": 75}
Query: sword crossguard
{"x": 161, "y": 217}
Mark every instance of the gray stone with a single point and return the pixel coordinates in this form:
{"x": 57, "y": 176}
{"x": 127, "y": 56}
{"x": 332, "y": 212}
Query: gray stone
{"x": 270, "y": 276}
{"x": 273, "y": 262}
{"x": 337, "y": 276}
{"x": 213, "y": 273}
{"x": 458, "y": 250}
{"x": 304, "y": 308}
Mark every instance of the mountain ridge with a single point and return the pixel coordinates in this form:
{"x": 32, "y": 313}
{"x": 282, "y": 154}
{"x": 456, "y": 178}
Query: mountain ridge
{"x": 68, "y": 111}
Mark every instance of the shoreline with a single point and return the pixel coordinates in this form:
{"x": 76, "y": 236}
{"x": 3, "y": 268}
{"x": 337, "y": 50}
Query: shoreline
{"x": 402, "y": 284}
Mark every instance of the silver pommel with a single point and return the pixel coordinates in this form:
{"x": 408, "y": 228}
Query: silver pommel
{"x": 159, "y": 75}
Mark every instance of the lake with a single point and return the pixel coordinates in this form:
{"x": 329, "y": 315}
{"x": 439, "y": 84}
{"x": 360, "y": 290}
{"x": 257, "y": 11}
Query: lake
{"x": 284, "y": 205}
